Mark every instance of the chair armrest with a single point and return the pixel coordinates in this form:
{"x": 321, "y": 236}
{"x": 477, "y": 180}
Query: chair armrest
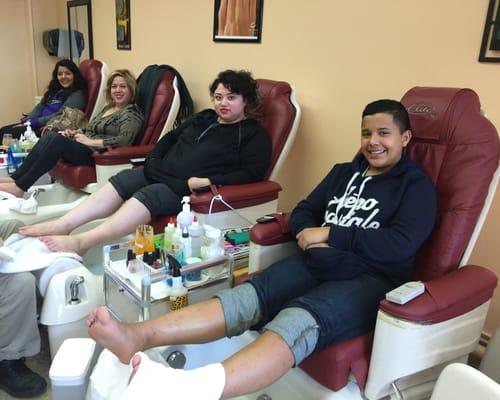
{"x": 237, "y": 196}
{"x": 447, "y": 297}
{"x": 270, "y": 233}
{"x": 121, "y": 155}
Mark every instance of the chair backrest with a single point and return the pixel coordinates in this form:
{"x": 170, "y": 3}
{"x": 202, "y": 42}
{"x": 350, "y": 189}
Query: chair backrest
{"x": 459, "y": 150}
{"x": 279, "y": 113}
{"x": 96, "y": 74}
{"x": 164, "y": 108}
{"x": 163, "y": 112}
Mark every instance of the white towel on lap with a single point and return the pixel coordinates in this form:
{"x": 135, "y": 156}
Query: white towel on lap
{"x": 29, "y": 254}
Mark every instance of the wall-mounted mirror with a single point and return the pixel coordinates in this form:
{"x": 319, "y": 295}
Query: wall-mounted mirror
{"x": 81, "y": 45}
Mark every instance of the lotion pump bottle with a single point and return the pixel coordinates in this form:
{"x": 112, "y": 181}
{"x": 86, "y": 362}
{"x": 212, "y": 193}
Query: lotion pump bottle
{"x": 185, "y": 217}
{"x": 178, "y": 293}
{"x": 28, "y": 133}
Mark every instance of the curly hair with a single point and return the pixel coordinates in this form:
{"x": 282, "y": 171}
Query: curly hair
{"x": 239, "y": 82}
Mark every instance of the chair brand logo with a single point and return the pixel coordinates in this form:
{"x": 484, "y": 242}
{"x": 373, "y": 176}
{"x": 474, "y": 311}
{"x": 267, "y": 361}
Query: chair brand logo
{"x": 422, "y": 108}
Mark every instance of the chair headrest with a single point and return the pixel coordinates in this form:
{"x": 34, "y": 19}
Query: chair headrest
{"x": 276, "y": 113}
{"x": 91, "y": 71}
{"x": 155, "y": 97}
{"x": 446, "y": 115}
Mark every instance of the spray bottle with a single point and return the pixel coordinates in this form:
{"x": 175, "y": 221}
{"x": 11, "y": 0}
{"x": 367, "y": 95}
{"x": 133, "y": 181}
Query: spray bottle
{"x": 178, "y": 294}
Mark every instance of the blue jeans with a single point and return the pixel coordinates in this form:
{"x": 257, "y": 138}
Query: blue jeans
{"x": 342, "y": 309}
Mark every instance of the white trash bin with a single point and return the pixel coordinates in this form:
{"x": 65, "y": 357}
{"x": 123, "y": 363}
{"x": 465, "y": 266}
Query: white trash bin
{"x": 71, "y": 368}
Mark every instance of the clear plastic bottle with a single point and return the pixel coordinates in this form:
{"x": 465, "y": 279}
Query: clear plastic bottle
{"x": 11, "y": 162}
{"x": 186, "y": 244}
{"x": 178, "y": 293}
{"x": 195, "y": 232}
{"x": 213, "y": 243}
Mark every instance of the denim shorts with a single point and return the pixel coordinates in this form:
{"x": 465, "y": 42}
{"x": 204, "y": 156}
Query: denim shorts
{"x": 343, "y": 309}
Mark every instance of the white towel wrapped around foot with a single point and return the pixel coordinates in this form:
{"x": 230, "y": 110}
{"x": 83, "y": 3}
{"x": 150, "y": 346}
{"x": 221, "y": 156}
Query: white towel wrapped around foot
{"x": 154, "y": 381}
{"x": 20, "y": 254}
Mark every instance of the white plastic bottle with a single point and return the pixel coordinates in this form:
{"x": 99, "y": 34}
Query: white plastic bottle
{"x": 168, "y": 235}
{"x": 29, "y": 135}
{"x": 185, "y": 217}
{"x": 195, "y": 232}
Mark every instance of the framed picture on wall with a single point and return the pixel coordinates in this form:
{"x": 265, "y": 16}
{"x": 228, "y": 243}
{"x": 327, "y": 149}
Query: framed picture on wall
{"x": 238, "y": 20}
{"x": 490, "y": 45}
{"x": 122, "y": 24}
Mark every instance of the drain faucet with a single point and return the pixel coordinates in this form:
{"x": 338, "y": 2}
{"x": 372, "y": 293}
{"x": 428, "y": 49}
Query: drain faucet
{"x": 73, "y": 288}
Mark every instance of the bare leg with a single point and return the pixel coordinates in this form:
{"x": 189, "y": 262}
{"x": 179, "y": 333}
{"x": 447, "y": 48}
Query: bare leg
{"x": 6, "y": 179}
{"x": 246, "y": 372}
{"x": 122, "y": 222}
{"x": 197, "y": 323}
{"x": 98, "y": 205}
{"x": 12, "y": 188}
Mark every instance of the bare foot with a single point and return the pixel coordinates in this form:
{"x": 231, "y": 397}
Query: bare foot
{"x": 12, "y": 188}
{"x": 113, "y": 335}
{"x": 55, "y": 227}
{"x": 67, "y": 243}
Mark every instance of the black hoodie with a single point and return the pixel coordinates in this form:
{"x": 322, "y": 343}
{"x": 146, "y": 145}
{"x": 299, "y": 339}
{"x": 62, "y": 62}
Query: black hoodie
{"x": 225, "y": 153}
{"x": 377, "y": 223}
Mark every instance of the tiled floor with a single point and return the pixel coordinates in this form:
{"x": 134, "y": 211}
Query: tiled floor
{"x": 40, "y": 364}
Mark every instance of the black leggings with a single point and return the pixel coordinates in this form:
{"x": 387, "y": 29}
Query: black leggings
{"x": 44, "y": 156}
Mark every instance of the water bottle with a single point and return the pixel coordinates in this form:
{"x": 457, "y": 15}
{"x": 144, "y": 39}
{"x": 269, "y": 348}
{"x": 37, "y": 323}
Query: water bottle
{"x": 11, "y": 162}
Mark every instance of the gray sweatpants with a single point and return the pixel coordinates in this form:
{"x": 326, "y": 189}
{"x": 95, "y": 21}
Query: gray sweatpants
{"x": 19, "y": 336}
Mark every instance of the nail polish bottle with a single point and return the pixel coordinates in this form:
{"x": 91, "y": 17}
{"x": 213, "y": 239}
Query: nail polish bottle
{"x": 133, "y": 264}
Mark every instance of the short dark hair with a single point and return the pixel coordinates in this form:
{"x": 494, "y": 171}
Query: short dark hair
{"x": 239, "y": 82}
{"x": 393, "y": 107}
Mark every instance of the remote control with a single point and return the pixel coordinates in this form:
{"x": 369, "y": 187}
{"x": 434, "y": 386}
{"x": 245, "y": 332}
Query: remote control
{"x": 265, "y": 219}
{"x": 406, "y": 292}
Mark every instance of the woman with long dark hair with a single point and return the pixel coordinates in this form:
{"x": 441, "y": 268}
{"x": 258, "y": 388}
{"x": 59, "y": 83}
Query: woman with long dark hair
{"x": 67, "y": 88}
{"x": 116, "y": 125}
